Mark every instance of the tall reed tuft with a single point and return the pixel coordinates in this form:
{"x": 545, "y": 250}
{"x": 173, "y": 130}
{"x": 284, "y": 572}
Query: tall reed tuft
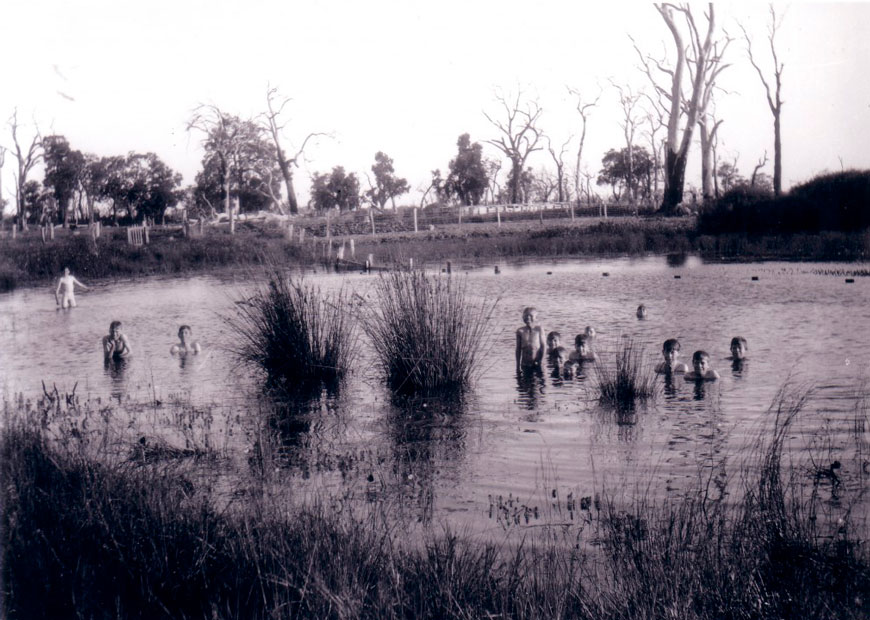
{"x": 298, "y": 337}
{"x": 629, "y": 380}
{"x": 429, "y": 336}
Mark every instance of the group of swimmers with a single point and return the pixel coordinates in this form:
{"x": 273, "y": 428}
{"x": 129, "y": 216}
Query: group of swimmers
{"x": 116, "y": 346}
{"x": 531, "y": 346}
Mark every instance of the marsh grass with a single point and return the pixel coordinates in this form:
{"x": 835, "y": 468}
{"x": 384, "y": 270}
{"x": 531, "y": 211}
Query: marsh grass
{"x": 298, "y": 337}
{"x": 428, "y": 334}
{"x": 629, "y": 380}
{"x": 83, "y": 538}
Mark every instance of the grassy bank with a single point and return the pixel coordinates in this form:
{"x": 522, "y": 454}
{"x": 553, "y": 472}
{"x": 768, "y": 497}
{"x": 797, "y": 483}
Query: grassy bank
{"x": 90, "y": 538}
{"x": 27, "y": 260}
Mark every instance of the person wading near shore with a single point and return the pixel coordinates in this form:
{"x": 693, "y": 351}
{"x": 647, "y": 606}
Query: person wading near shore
{"x": 64, "y": 295}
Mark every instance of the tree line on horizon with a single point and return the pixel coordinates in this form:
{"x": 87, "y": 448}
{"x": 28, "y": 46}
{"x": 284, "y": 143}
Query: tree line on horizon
{"x": 247, "y": 167}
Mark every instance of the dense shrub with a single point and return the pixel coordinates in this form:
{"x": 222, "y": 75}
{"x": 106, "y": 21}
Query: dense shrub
{"x": 832, "y": 202}
{"x": 298, "y": 338}
{"x": 428, "y": 334}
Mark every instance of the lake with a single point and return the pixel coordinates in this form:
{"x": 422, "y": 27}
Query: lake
{"x": 519, "y": 452}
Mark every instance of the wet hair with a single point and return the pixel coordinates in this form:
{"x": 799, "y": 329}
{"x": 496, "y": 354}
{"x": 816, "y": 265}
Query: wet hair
{"x": 737, "y": 341}
{"x": 590, "y": 331}
{"x": 182, "y": 328}
{"x": 528, "y": 310}
{"x": 560, "y": 352}
{"x": 700, "y": 355}
{"x": 552, "y": 335}
{"x": 641, "y": 310}
{"x": 114, "y": 324}
{"x": 581, "y": 339}
{"x": 671, "y": 344}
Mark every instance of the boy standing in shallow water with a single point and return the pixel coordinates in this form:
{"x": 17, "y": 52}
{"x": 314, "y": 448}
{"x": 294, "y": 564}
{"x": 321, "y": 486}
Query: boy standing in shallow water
{"x": 66, "y": 285}
{"x": 739, "y": 347}
{"x": 671, "y": 351}
{"x": 701, "y": 368}
{"x": 583, "y": 350}
{"x": 185, "y": 344}
{"x": 530, "y": 341}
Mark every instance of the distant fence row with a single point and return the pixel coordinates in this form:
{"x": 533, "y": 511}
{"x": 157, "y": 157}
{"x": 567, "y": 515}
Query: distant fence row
{"x": 360, "y": 222}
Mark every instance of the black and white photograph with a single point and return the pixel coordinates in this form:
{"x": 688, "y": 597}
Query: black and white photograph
{"x": 463, "y": 309}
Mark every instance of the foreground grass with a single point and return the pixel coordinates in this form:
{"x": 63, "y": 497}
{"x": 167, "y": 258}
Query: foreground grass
{"x": 86, "y": 538}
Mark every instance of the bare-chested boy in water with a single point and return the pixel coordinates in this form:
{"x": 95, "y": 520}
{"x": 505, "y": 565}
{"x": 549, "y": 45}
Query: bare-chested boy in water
{"x": 530, "y": 341}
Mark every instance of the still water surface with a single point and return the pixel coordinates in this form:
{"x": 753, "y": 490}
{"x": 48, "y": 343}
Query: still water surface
{"x": 530, "y": 441}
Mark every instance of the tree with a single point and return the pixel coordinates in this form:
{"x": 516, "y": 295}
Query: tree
{"x": 27, "y": 158}
{"x": 520, "y": 137}
{"x": 41, "y": 206}
{"x": 151, "y": 185}
{"x": 275, "y": 127}
{"x": 625, "y": 176}
{"x": 467, "y": 179}
{"x": 336, "y": 189}
{"x": 729, "y": 176}
{"x": 629, "y": 100}
{"x": 387, "y": 185}
{"x": 559, "y": 161}
{"x": 583, "y": 109}
{"x": 678, "y": 144}
{"x": 63, "y": 167}
{"x": 774, "y": 99}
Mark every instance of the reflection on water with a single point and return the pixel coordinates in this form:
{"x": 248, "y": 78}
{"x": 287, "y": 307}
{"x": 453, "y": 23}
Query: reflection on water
{"x": 520, "y": 434}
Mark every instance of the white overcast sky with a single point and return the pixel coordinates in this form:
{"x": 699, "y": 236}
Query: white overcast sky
{"x": 408, "y": 77}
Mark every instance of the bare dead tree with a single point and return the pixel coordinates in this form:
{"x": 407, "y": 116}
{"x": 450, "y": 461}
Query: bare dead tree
{"x": 222, "y": 137}
{"x": 629, "y": 100}
{"x": 708, "y": 126}
{"x": 774, "y": 96}
{"x": 520, "y": 136}
{"x": 559, "y": 161}
{"x": 2, "y": 162}
{"x": 27, "y": 158}
{"x": 584, "y": 110}
{"x": 762, "y": 162}
{"x": 678, "y": 143}
{"x": 493, "y": 167}
{"x": 275, "y": 105}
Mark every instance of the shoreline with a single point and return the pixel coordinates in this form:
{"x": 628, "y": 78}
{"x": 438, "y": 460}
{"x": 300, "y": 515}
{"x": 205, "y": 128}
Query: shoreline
{"x": 28, "y": 261}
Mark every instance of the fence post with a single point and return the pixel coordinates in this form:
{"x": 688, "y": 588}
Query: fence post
{"x": 14, "y": 230}
{"x": 415, "y": 219}
{"x": 498, "y": 215}
{"x": 328, "y": 234}
{"x": 410, "y": 264}
{"x": 290, "y": 232}
{"x": 541, "y": 213}
{"x": 372, "y": 219}
{"x": 449, "y": 267}
{"x": 352, "y": 249}
{"x": 51, "y": 231}
{"x": 301, "y": 235}
{"x": 129, "y": 236}
{"x": 147, "y": 240}
{"x": 42, "y": 230}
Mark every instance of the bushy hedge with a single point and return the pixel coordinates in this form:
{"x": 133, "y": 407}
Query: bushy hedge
{"x": 836, "y": 201}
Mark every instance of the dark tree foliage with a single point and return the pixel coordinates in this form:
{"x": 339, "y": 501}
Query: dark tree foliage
{"x": 336, "y": 189}
{"x": 63, "y": 168}
{"x": 254, "y": 177}
{"x": 387, "y": 184}
{"x": 141, "y": 185}
{"x": 633, "y": 180}
{"x": 467, "y": 179}
{"x": 837, "y": 201}
{"x": 40, "y": 203}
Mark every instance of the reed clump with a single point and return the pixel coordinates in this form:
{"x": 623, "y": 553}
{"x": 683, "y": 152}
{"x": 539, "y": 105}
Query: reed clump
{"x": 298, "y": 337}
{"x": 629, "y": 380}
{"x": 427, "y": 332}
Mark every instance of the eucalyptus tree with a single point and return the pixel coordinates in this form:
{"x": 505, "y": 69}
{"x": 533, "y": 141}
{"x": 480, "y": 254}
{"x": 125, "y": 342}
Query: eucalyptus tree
{"x": 468, "y": 178}
{"x": 386, "y": 185}
{"x": 520, "y": 137}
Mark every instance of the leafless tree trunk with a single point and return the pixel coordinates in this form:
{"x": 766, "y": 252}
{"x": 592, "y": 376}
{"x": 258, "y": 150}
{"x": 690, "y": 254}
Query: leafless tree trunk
{"x": 762, "y": 162}
{"x": 774, "y": 98}
{"x": 559, "y": 161}
{"x": 629, "y": 100}
{"x": 520, "y": 137}
{"x": 285, "y": 164}
{"x": 583, "y": 109}
{"x": 27, "y": 159}
{"x": 678, "y": 144}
